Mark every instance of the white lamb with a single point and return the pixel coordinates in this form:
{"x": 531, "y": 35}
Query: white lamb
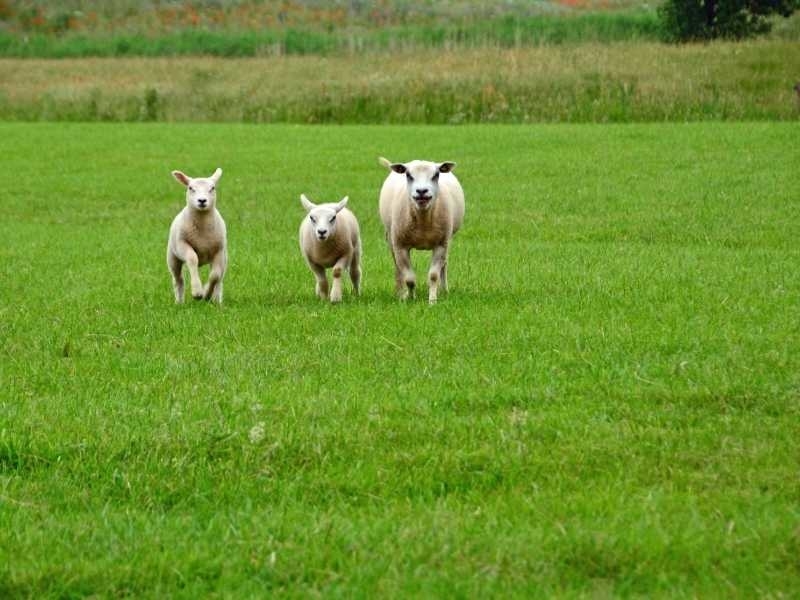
{"x": 330, "y": 237}
{"x": 198, "y": 237}
{"x": 422, "y": 207}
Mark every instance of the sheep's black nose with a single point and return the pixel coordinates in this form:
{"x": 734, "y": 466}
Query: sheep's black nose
{"x": 202, "y": 201}
{"x": 422, "y": 191}
{"x": 322, "y": 231}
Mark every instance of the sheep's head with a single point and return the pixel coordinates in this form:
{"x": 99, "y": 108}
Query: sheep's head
{"x": 201, "y": 193}
{"x": 322, "y": 217}
{"x": 422, "y": 179}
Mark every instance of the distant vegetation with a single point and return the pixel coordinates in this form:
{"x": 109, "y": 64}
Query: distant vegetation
{"x": 687, "y": 21}
{"x": 582, "y": 83}
{"x": 67, "y": 29}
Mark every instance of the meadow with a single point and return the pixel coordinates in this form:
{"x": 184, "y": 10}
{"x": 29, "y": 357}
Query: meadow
{"x": 579, "y": 83}
{"x": 606, "y": 403}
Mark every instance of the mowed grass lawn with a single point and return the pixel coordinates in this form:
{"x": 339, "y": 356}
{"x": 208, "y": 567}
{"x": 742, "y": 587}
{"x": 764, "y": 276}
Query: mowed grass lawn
{"x": 605, "y": 403}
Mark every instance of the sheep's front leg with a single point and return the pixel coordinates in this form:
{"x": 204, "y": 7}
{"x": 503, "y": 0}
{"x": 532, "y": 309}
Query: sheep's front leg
{"x": 187, "y": 254}
{"x": 435, "y": 275}
{"x": 322, "y": 281}
{"x": 175, "y": 266}
{"x": 338, "y": 268}
{"x": 213, "y": 289}
{"x": 404, "y": 275}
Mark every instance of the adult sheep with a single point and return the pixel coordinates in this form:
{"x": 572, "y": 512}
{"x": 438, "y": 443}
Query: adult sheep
{"x": 422, "y": 207}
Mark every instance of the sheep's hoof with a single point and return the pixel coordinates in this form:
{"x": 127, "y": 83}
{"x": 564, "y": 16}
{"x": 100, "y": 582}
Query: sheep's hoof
{"x": 198, "y": 296}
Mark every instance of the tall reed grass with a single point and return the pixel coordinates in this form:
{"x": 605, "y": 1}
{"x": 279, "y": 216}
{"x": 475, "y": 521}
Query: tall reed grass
{"x": 586, "y": 83}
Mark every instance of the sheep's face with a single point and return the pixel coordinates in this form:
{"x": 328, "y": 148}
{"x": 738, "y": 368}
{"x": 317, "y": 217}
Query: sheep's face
{"x": 422, "y": 179}
{"x": 322, "y": 217}
{"x": 201, "y": 193}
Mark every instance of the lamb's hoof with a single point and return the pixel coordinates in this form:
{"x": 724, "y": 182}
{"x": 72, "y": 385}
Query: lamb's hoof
{"x": 198, "y": 296}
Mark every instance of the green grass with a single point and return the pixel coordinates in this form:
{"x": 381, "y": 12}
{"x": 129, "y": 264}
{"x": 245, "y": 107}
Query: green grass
{"x": 605, "y": 404}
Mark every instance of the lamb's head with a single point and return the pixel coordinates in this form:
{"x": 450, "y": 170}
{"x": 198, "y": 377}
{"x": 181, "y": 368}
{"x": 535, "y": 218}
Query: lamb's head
{"x": 422, "y": 180}
{"x": 201, "y": 193}
{"x": 322, "y": 217}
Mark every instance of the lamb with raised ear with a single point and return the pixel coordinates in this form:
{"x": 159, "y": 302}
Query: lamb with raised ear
{"x": 330, "y": 237}
{"x": 422, "y": 207}
{"x": 198, "y": 237}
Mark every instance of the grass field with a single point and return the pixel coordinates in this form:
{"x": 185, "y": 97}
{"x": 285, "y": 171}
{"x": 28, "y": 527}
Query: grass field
{"x": 590, "y": 82}
{"x": 605, "y": 404}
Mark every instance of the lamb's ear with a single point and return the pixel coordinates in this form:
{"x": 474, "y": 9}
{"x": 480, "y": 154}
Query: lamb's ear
{"x": 307, "y": 204}
{"x": 342, "y": 203}
{"x": 446, "y": 167}
{"x": 385, "y": 162}
{"x": 181, "y": 177}
{"x": 398, "y": 168}
{"x": 217, "y": 174}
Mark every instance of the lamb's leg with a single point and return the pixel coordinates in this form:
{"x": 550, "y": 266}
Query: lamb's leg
{"x": 175, "y": 266}
{"x": 355, "y": 271}
{"x": 187, "y": 254}
{"x": 215, "y": 278}
{"x": 322, "y": 281}
{"x": 404, "y": 274}
{"x": 443, "y": 278}
{"x": 338, "y": 268}
{"x": 438, "y": 265}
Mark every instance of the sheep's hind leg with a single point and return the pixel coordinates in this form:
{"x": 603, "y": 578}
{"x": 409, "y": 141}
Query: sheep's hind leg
{"x": 213, "y": 289}
{"x": 438, "y": 265}
{"x": 175, "y": 266}
{"x": 355, "y": 271}
{"x": 404, "y": 274}
{"x": 321, "y": 288}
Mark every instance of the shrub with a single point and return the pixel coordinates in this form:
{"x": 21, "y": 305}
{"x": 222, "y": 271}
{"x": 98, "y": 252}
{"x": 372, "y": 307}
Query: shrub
{"x": 696, "y": 20}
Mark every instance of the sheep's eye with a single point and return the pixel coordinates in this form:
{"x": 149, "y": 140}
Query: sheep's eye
{"x": 191, "y": 189}
{"x": 409, "y": 177}
{"x": 436, "y": 176}
{"x": 313, "y": 220}
{"x": 211, "y": 189}
{"x": 333, "y": 218}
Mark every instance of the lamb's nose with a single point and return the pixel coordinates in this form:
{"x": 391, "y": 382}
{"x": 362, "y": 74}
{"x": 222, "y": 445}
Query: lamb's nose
{"x": 422, "y": 191}
{"x": 202, "y": 201}
{"x": 322, "y": 232}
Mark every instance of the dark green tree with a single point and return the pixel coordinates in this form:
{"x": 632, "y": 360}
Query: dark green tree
{"x": 697, "y": 20}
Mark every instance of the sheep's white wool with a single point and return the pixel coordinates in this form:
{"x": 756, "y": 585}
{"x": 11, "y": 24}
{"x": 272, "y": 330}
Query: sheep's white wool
{"x": 422, "y": 207}
{"x": 198, "y": 237}
{"x": 330, "y": 237}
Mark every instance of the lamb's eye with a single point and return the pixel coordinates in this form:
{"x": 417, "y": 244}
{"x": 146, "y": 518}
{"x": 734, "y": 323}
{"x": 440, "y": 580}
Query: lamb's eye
{"x": 333, "y": 218}
{"x": 409, "y": 177}
{"x": 211, "y": 189}
{"x": 313, "y": 220}
{"x": 191, "y": 189}
{"x": 436, "y": 176}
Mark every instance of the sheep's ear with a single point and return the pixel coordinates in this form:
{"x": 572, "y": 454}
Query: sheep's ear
{"x": 446, "y": 167}
{"x": 217, "y": 174}
{"x": 181, "y": 177}
{"x": 385, "y": 162}
{"x": 398, "y": 168}
{"x": 307, "y": 204}
{"x": 342, "y": 203}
